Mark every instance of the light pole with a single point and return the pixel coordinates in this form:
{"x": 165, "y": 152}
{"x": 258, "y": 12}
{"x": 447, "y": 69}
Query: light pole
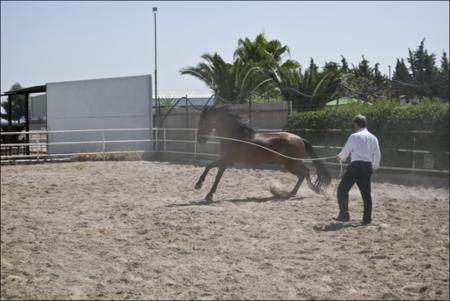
{"x": 155, "y": 9}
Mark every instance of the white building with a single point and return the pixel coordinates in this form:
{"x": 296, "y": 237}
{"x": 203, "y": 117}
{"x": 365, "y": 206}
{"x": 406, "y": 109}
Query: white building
{"x": 38, "y": 112}
{"x": 111, "y": 103}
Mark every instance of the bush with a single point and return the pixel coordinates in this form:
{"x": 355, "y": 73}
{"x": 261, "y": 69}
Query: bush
{"x": 427, "y": 115}
{"x": 391, "y": 123}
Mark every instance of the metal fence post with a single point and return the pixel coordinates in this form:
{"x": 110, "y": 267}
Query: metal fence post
{"x": 156, "y": 139}
{"x": 164, "y": 138}
{"x": 195, "y": 143}
{"x": 414, "y": 153}
{"x": 38, "y": 146}
{"x": 103, "y": 145}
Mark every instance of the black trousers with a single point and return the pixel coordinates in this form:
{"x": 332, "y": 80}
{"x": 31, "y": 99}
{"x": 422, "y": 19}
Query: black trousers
{"x": 358, "y": 172}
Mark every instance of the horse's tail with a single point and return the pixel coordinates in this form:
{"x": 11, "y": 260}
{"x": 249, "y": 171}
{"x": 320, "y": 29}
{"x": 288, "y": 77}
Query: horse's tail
{"x": 323, "y": 175}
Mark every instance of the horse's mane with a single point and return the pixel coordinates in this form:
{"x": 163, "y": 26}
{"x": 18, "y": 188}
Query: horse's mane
{"x": 245, "y": 131}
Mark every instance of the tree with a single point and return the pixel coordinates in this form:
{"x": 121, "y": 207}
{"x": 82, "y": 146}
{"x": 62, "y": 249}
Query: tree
{"x": 401, "y": 75}
{"x": 423, "y": 78}
{"x": 377, "y": 76}
{"x": 17, "y": 105}
{"x": 423, "y": 71}
{"x": 312, "y": 88}
{"x": 364, "y": 82}
{"x": 362, "y": 87}
{"x": 269, "y": 56}
{"x": 254, "y": 71}
{"x": 344, "y": 65}
{"x": 444, "y": 78}
{"x": 260, "y": 67}
{"x": 261, "y": 51}
{"x": 363, "y": 69}
{"x": 232, "y": 82}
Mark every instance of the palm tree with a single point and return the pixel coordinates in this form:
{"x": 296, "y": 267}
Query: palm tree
{"x": 269, "y": 56}
{"x": 311, "y": 88}
{"x": 232, "y": 82}
{"x": 260, "y": 50}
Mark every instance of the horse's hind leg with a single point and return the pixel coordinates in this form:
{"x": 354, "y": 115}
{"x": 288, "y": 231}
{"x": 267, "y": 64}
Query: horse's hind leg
{"x": 298, "y": 169}
{"x": 311, "y": 185}
{"x": 297, "y": 185}
{"x": 304, "y": 174}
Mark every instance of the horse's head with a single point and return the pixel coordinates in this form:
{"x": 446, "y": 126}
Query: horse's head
{"x": 224, "y": 121}
{"x": 205, "y": 125}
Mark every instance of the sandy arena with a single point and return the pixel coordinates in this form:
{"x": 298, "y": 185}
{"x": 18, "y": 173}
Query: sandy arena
{"x": 138, "y": 230}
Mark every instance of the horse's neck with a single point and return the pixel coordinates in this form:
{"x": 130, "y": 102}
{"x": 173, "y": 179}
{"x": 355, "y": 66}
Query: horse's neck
{"x": 224, "y": 131}
{"x": 233, "y": 129}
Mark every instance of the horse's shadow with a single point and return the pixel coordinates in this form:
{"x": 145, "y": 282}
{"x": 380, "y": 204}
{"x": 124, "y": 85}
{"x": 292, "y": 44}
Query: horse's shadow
{"x": 237, "y": 201}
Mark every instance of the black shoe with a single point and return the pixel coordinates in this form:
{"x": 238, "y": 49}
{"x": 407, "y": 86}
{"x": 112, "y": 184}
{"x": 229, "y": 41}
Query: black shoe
{"x": 365, "y": 223}
{"x": 342, "y": 218}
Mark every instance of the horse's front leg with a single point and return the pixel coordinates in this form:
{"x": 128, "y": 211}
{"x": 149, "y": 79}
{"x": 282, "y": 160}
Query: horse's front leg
{"x": 199, "y": 183}
{"x": 220, "y": 172}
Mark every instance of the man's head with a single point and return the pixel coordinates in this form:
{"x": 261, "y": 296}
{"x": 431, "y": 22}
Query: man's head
{"x": 360, "y": 121}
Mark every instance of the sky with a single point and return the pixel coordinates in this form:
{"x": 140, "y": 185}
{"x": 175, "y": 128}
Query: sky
{"x": 53, "y": 41}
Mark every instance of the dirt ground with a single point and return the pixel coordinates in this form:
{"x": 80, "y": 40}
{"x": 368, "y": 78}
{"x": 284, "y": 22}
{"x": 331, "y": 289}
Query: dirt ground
{"x": 138, "y": 230}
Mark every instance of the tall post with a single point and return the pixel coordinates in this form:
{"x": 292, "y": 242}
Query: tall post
{"x": 186, "y": 111}
{"x": 195, "y": 144}
{"x": 164, "y": 140}
{"x": 250, "y": 111}
{"x": 27, "y": 117}
{"x": 103, "y": 146}
{"x": 38, "y": 143}
{"x": 187, "y": 123}
{"x": 27, "y": 123}
{"x": 158, "y": 109}
{"x": 9, "y": 110}
{"x": 414, "y": 153}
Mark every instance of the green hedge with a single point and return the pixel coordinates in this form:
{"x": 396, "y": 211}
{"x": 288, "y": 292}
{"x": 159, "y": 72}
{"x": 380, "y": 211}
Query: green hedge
{"x": 427, "y": 115}
{"x": 391, "y": 123}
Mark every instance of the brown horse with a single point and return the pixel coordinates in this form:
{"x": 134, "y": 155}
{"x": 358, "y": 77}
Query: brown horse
{"x": 228, "y": 125}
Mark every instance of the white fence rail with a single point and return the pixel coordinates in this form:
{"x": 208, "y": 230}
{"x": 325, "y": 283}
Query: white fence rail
{"x": 38, "y": 148}
{"x": 160, "y": 142}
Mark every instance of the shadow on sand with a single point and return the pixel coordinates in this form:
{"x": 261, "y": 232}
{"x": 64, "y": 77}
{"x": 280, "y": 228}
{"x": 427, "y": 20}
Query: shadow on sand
{"x": 237, "y": 201}
{"x": 335, "y": 226}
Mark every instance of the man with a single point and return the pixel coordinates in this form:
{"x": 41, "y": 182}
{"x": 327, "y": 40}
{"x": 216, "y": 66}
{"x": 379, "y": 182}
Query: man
{"x": 365, "y": 157}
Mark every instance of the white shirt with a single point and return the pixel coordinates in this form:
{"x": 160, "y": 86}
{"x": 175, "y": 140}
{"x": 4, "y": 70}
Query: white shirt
{"x": 363, "y": 146}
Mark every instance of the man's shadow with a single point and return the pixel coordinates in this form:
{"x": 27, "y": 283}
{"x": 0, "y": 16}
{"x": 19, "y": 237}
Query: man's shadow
{"x": 335, "y": 226}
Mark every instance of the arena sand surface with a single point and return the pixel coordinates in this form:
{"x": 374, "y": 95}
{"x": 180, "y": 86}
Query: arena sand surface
{"x": 138, "y": 230}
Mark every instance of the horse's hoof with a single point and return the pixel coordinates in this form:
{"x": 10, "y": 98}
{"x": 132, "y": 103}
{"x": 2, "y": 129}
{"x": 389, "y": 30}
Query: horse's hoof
{"x": 198, "y": 185}
{"x": 209, "y": 198}
{"x": 320, "y": 191}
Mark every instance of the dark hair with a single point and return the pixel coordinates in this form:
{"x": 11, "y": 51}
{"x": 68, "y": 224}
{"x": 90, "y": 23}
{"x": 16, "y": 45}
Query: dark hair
{"x": 360, "y": 120}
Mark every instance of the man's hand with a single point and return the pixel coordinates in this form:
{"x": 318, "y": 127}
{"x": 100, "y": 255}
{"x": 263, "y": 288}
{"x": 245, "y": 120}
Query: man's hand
{"x": 338, "y": 158}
